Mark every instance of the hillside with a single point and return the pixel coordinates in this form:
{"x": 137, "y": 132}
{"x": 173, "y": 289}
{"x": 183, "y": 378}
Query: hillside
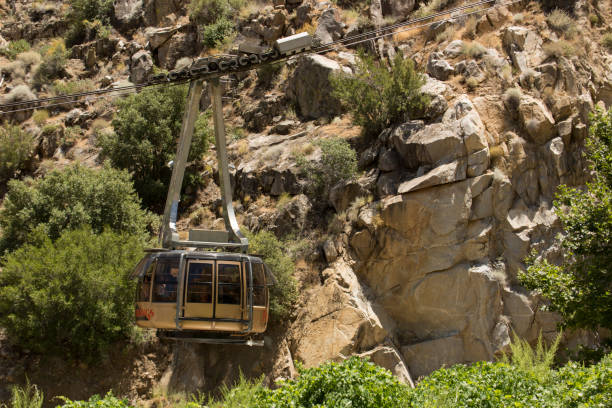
{"x": 413, "y": 260}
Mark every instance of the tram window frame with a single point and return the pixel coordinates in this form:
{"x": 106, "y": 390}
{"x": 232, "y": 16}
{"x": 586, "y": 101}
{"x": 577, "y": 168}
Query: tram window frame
{"x": 259, "y": 285}
{"x": 168, "y": 296}
{"x": 191, "y": 285}
{"x": 235, "y": 284}
{"x": 147, "y": 279}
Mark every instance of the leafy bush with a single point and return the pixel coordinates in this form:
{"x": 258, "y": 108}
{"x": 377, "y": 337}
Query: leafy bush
{"x": 14, "y": 48}
{"x": 109, "y": 401}
{"x": 52, "y": 65}
{"x": 214, "y": 34}
{"x": 385, "y": 97}
{"x": 71, "y": 296}
{"x": 210, "y": 11}
{"x": 40, "y": 116}
{"x": 284, "y": 293}
{"x": 146, "y": 128}
{"x": 580, "y": 289}
{"x": 241, "y": 395}
{"x": 352, "y": 383}
{"x": 68, "y": 199}
{"x": 338, "y": 162}
{"x": 537, "y": 361}
{"x": 16, "y": 150}
{"x": 28, "y": 396}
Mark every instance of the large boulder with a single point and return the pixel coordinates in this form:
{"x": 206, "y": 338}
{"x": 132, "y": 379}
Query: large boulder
{"x": 397, "y": 8}
{"x": 310, "y": 88}
{"x": 142, "y": 66}
{"x": 524, "y": 47}
{"x": 432, "y": 145}
{"x": 438, "y": 67}
{"x": 329, "y": 29}
{"x": 128, "y": 14}
{"x": 536, "y": 119}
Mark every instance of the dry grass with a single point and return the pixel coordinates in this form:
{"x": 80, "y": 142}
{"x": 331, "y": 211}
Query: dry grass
{"x": 470, "y": 28}
{"x": 307, "y": 28}
{"x": 496, "y": 151}
{"x": 350, "y": 16}
{"x": 558, "y": 49}
{"x": 446, "y": 35}
{"x": 283, "y": 200}
{"x": 472, "y": 83}
{"x": 606, "y": 41}
{"x": 512, "y": 98}
{"x": 561, "y": 22}
{"x": 518, "y": 18}
{"x": 473, "y": 50}
{"x": 40, "y": 117}
{"x": 506, "y": 73}
{"x": 29, "y": 58}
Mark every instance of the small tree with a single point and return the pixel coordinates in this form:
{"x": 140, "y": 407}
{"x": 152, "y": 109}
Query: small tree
{"x": 53, "y": 63}
{"x": 73, "y": 295}
{"x": 16, "y": 150}
{"x": 146, "y": 128}
{"x": 338, "y": 162}
{"x": 581, "y": 288}
{"x": 384, "y": 97}
{"x": 69, "y": 199}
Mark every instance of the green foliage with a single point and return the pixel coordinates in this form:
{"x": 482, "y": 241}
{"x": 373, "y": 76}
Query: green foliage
{"x": 90, "y": 10}
{"x": 53, "y": 63}
{"x": 14, "y": 48}
{"x": 352, "y": 383}
{"x": 16, "y": 150}
{"x": 28, "y": 396}
{"x": 68, "y": 199}
{"x": 70, "y": 87}
{"x": 215, "y": 33}
{"x": 284, "y": 293}
{"x": 338, "y": 162}
{"x": 207, "y": 12}
{"x": 70, "y": 296}
{"x": 385, "y": 97}
{"x": 581, "y": 289}
{"x": 241, "y": 395}
{"x": 537, "y": 361}
{"x": 147, "y": 126}
{"x": 109, "y": 401}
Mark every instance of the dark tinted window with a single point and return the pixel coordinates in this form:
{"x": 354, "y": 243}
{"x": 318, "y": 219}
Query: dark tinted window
{"x": 259, "y": 285}
{"x": 144, "y": 287}
{"x": 165, "y": 282}
{"x": 229, "y": 284}
{"x": 200, "y": 284}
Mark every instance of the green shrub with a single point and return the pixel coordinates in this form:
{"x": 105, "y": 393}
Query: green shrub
{"x": 210, "y": 11}
{"x": 16, "y": 150}
{"x": 109, "y": 401}
{"x": 385, "y": 97}
{"x": 351, "y": 383}
{"x": 606, "y": 41}
{"x": 52, "y": 65}
{"x": 71, "y": 296}
{"x": 68, "y": 199}
{"x": 273, "y": 252}
{"x": 28, "y": 396}
{"x": 14, "y": 48}
{"x": 70, "y": 87}
{"x": 215, "y": 33}
{"x": 241, "y": 395}
{"x": 40, "y": 116}
{"x": 146, "y": 128}
{"x": 579, "y": 288}
{"x": 558, "y": 49}
{"x": 338, "y": 162}
{"x": 537, "y": 361}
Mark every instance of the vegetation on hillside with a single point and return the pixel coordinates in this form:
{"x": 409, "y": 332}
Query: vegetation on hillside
{"x": 385, "y": 97}
{"x": 146, "y": 128}
{"x": 69, "y": 199}
{"x": 72, "y": 296}
{"x": 284, "y": 292}
{"x": 16, "y": 151}
{"x": 581, "y": 288}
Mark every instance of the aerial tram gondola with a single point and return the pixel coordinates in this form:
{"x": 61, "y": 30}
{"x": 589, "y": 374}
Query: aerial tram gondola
{"x": 187, "y": 289}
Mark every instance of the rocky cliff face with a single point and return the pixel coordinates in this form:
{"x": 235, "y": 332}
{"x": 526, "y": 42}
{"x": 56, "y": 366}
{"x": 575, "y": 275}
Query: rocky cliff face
{"x": 424, "y": 273}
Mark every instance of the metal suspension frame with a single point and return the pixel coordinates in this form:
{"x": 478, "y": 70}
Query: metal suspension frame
{"x": 232, "y": 237}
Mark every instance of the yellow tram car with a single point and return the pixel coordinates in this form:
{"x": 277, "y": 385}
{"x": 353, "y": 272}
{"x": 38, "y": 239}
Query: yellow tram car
{"x": 213, "y": 297}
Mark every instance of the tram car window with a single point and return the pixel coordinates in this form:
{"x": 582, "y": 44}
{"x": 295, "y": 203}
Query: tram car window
{"x": 200, "y": 283}
{"x": 165, "y": 281}
{"x": 259, "y": 285}
{"x": 229, "y": 284}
